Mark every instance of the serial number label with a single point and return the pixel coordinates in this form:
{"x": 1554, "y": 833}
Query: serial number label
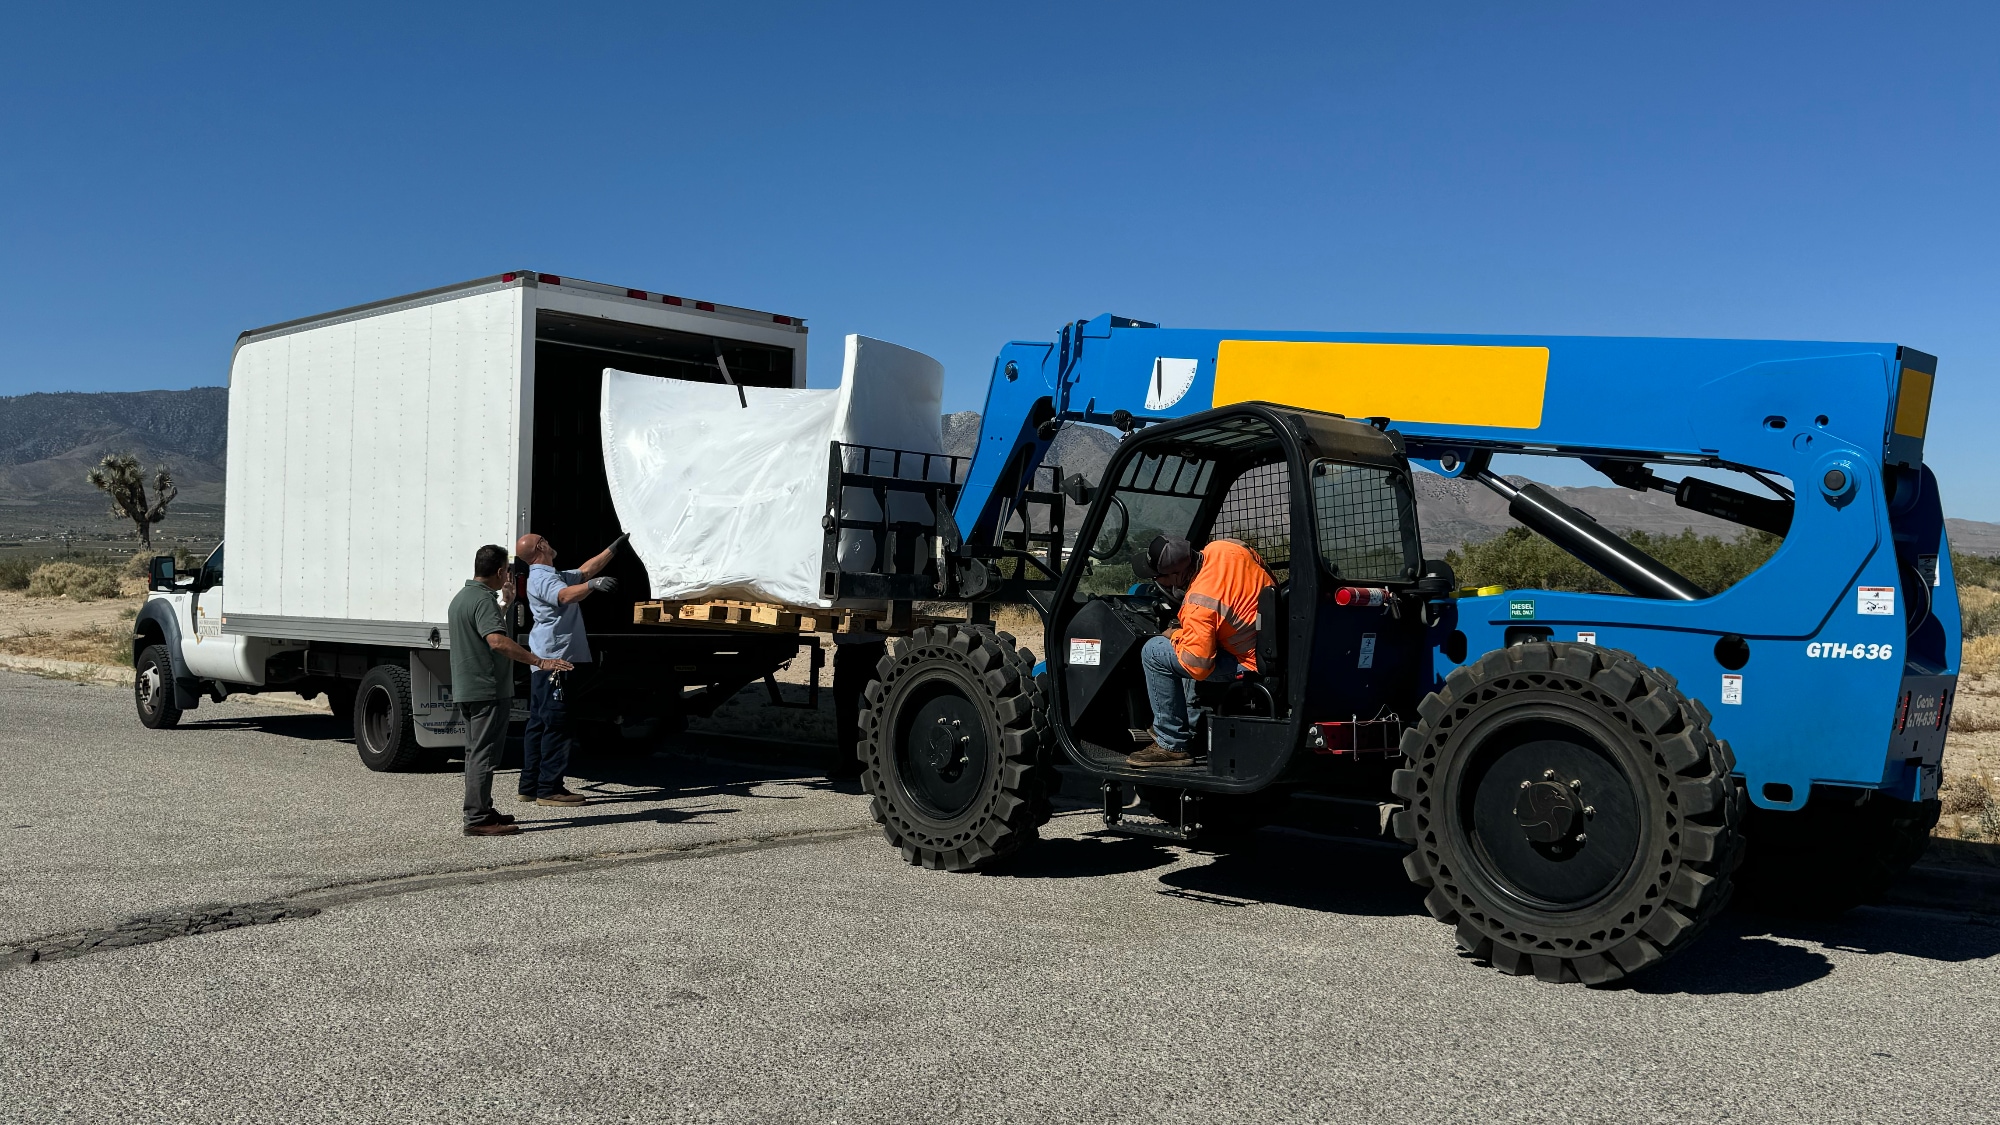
{"x": 1838, "y": 651}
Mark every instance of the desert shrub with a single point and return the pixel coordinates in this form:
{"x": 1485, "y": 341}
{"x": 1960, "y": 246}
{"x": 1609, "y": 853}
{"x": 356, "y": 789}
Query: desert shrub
{"x": 1963, "y": 794}
{"x": 1980, "y": 657}
{"x": 14, "y": 573}
{"x": 1975, "y": 570}
{"x": 73, "y": 580}
{"x": 1520, "y": 559}
{"x": 1979, "y": 611}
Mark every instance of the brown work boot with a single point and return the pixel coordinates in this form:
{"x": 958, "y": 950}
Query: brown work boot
{"x": 1153, "y": 755}
{"x": 492, "y": 828}
{"x": 560, "y": 797}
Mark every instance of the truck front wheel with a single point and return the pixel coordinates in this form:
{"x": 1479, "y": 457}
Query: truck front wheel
{"x": 1571, "y": 812}
{"x": 385, "y": 729}
{"x": 954, "y": 747}
{"x": 153, "y": 689}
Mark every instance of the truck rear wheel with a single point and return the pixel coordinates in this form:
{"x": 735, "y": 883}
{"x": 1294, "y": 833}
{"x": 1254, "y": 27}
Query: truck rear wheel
{"x": 1845, "y": 848}
{"x": 153, "y": 689}
{"x": 954, "y": 747}
{"x": 1573, "y": 815}
{"x": 385, "y": 728}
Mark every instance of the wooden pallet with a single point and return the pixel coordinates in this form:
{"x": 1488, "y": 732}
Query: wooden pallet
{"x": 767, "y": 617}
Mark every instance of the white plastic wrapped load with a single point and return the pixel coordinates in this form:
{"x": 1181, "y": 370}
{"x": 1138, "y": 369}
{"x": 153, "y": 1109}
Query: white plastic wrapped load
{"x": 724, "y": 496}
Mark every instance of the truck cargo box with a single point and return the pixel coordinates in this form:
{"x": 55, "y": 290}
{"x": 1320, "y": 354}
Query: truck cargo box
{"x": 374, "y": 449}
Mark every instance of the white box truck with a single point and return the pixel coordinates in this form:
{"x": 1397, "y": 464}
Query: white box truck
{"x": 372, "y": 450}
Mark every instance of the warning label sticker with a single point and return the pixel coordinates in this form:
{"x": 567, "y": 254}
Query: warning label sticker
{"x": 1732, "y": 689}
{"x": 1367, "y": 651}
{"x": 1083, "y": 651}
{"x": 1875, "y": 601}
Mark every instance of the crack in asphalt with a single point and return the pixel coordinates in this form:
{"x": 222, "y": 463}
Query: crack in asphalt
{"x": 145, "y": 929}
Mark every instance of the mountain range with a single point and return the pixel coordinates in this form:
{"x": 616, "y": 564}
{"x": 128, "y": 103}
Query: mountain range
{"x": 49, "y": 441}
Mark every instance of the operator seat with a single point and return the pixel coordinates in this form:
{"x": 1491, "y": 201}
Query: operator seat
{"x": 1262, "y": 692}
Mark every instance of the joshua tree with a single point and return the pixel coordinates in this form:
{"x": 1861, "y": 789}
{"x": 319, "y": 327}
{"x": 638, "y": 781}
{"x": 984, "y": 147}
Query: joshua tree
{"x": 119, "y": 477}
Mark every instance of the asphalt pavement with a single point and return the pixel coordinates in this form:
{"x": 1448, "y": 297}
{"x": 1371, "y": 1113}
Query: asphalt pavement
{"x": 720, "y": 936}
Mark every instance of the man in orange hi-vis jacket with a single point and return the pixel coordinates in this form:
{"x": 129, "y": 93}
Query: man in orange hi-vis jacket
{"x": 1215, "y": 635}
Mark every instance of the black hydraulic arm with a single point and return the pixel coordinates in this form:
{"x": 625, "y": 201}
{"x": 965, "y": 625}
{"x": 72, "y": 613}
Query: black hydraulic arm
{"x": 1597, "y": 547}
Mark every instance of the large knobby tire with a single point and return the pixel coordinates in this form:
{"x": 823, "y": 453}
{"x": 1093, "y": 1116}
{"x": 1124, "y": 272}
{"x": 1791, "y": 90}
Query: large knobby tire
{"x": 1572, "y": 814}
{"x": 1845, "y": 848}
{"x": 385, "y": 727}
{"x": 955, "y": 748}
{"x": 153, "y": 688}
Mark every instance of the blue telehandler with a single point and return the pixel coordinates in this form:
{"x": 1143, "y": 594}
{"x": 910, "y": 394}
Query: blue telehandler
{"x": 1584, "y": 779}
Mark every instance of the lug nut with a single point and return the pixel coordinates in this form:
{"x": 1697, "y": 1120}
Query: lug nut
{"x": 1525, "y": 784}
{"x": 1590, "y": 810}
{"x": 1580, "y": 837}
{"x": 1548, "y": 775}
{"x": 1576, "y": 784}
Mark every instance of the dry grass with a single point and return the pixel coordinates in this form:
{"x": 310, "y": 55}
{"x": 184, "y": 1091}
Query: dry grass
{"x": 98, "y": 645}
{"x": 1980, "y": 656}
{"x": 74, "y": 581}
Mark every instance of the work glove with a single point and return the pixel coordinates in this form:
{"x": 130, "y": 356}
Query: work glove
{"x": 618, "y": 544}
{"x": 602, "y": 585}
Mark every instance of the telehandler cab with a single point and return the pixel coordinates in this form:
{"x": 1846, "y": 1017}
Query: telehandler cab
{"x": 1572, "y": 806}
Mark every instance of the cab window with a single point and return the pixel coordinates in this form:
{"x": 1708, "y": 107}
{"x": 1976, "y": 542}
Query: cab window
{"x": 1365, "y": 518}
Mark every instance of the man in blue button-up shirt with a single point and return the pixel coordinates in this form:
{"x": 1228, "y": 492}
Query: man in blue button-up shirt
{"x": 554, "y": 597}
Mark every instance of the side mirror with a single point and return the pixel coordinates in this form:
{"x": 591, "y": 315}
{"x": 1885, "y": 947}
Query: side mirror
{"x": 1078, "y": 490}
{"x": 1111, "y": 533}
{"x": 160, "y": 573}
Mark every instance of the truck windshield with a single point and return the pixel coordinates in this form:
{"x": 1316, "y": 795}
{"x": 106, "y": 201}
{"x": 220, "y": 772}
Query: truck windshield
{"x": 1365, "y": 518}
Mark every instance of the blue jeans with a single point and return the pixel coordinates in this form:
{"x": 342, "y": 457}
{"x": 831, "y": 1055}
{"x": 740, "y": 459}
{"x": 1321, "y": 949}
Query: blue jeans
{"x": 546, "y": 744}
{"x": 1171, "y": 690}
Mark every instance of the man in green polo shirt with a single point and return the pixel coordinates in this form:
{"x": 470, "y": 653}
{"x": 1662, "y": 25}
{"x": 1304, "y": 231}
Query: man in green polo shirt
{"x": 482, "y": 682}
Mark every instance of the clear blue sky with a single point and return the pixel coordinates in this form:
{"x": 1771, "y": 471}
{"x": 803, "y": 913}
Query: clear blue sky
{"x": 952, "y": 176}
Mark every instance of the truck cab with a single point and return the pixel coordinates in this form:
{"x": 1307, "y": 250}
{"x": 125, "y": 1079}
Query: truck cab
{"x": 180, "y": 652}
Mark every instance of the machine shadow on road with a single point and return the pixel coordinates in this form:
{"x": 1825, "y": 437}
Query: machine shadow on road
{"x": 1751, "y": 951}
{"x": 307, "y": 725}
{"x": 1746, "y": 952}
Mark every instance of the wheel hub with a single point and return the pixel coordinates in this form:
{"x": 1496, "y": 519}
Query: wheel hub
{"x": 1548, "y": 811}
{"x": 945, "y": 745}
{"x": 943, "y": 754}
{"x": 1554, "y": 819}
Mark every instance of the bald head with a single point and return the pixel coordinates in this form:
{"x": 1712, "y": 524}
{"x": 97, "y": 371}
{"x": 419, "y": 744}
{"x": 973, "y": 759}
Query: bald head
{"x": 532, "y": 549}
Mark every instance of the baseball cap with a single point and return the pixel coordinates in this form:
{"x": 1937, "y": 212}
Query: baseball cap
{"x": 1166, "y": 554}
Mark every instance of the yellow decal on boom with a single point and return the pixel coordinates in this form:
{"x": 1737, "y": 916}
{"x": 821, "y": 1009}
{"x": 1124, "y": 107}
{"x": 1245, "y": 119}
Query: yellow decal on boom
{"x": 1443, "y": 384}
{"x": 1913, "y": 403}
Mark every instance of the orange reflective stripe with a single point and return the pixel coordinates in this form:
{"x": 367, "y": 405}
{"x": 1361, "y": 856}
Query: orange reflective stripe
{"x": 1228, "y": 613}
{"x": 1199, "y": 665}
{"x": 1228, "y": 585}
